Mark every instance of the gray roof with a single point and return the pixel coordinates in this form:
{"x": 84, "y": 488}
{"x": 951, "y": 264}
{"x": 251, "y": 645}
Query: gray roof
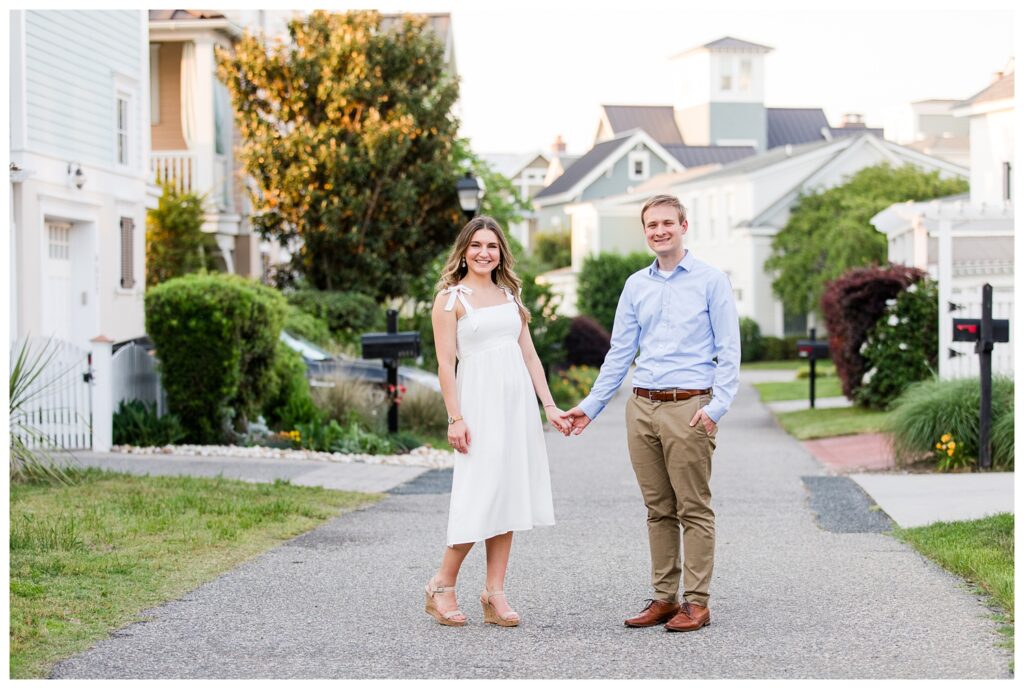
{"x": 730, "y": 43}
{"x": 583, "y": 166}
{"x": 766, "y": 159}
{"x": 1000, "y": 89}
{"x": 795, "y": 125}
{"x": 695, "y": 156}
{"x": 657, "y": 120}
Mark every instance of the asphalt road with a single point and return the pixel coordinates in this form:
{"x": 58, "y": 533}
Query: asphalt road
{"x": 799, "y": 589}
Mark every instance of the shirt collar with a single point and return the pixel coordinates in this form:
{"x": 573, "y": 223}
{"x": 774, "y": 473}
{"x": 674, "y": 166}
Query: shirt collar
{"x": 686, "y": 264}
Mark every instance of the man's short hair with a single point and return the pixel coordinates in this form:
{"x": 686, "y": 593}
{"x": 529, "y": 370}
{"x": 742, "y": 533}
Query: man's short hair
{"x": 664, "y": 200}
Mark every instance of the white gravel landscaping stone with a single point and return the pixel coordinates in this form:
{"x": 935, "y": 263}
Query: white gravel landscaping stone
{"x": 423, "y": 456}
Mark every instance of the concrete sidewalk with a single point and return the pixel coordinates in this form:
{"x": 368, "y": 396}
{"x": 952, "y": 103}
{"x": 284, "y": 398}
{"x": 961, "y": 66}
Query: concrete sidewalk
{"x": 921, "y": 499}
{"x": 795, "y": 592}
{"x": 359, "y": 477}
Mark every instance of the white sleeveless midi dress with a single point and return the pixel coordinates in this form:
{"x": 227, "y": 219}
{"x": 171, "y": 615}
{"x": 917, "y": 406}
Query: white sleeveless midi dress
{"x": 502, "y": 484}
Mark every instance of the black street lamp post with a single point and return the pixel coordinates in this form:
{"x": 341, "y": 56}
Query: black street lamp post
{"x": 471, "y": 191}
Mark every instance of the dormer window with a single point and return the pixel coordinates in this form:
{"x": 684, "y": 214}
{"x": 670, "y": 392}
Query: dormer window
{"x": 726, "y": 82}
{"x": 639, "y": 165}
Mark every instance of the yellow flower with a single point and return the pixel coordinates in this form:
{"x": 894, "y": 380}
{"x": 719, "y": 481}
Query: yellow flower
{"x": 952, "y": 445}
{"x": 938, "y": 446}
{"x": 949, "y": 452}
{"x": 946, "y": 438}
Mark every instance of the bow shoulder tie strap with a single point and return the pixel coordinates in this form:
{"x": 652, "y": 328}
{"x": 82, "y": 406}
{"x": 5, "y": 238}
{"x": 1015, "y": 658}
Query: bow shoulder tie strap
{"x": 458, "y": 292}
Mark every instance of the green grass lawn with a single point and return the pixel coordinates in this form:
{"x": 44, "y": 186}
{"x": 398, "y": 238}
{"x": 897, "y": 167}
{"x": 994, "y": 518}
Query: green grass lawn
{"x": 980, "y": 551}
{"x": 87, "y": 558}
{"x": 821, "y": 367}
{"x": 799, "y": 389}
{"x": 808, "y": 424}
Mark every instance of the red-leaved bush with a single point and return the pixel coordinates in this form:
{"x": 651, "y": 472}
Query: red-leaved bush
{"x": 587, "y": 342}
{"x": 852, "y": 304}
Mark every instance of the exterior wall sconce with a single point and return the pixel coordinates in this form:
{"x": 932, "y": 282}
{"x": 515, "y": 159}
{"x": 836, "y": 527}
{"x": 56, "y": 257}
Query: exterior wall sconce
{"x": 76, "y": 174}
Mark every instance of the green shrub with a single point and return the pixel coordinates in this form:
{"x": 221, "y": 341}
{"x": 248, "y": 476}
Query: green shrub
{"x": 299, "y": 323}
{"x": 928, "y": 410}
{"x": 333, "y": 437}
{"x": 422, "y": 411}
{"x": 570, "y": 386}
{"x": 136, "y": 423}
{"x": 601, "y": 281}
{"x": 288, "y": 401}
{"x": 903, "y": 347}
{"x": 215, "y": 336}
{"x": 404, "y": 442}
{"x": 553, "y": 249}
{"x": 175, "y": 242}
{"x": 347, "y": 314}
{"x": 779, "y": 348}
{"x": 751, "y": 342}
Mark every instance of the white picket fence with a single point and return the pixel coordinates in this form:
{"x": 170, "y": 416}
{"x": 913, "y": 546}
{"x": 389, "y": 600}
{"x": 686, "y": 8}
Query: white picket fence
{"x": 135, "y": 377}
{"x": 57, "y": 406}
{"x": 967, "y": 364}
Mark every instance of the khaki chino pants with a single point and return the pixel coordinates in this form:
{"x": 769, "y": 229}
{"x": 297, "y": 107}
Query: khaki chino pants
{"x": 672, "y": 462}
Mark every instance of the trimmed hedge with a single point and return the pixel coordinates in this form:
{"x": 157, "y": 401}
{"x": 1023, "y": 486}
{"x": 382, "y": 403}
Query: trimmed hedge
{"x": 346, "y": 313}
{"x": 751, "y": 342}
{"x": 215, "y": 336}
{"x": 601, "y": 281}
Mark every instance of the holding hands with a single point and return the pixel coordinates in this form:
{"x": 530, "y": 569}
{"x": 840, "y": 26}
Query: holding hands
{"x": 557, "y": 418}
{"x": 577, "y": 419}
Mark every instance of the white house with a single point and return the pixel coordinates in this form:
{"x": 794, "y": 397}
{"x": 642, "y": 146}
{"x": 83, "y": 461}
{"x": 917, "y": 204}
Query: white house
{"x": 968, "y": 240}
{"x": 526, "y": 172}
{"x": 735, "y": 210}
{"x": 79, "y": 167}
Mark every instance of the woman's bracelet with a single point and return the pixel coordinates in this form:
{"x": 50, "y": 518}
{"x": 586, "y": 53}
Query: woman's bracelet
{"x": 551, "y": 405}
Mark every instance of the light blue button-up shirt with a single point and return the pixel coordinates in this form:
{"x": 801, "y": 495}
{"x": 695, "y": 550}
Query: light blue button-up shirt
{"x": 680, "y": 324}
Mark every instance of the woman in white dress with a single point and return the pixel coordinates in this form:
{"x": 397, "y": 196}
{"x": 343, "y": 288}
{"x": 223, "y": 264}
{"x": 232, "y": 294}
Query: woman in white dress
{"x": 501, "y": 482}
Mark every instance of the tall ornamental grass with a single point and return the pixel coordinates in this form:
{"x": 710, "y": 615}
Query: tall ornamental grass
{"x": 929, "y": 410}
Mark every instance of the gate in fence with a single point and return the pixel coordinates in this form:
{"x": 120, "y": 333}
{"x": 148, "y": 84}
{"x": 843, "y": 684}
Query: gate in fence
{"x": 135, "y": 377}
{"x": 56, "y": 408}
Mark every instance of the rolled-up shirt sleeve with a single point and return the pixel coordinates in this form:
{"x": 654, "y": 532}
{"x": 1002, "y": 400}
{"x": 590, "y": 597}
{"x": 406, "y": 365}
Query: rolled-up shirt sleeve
{"x": 725, "y": 329}
{"x": 624, "y": 341}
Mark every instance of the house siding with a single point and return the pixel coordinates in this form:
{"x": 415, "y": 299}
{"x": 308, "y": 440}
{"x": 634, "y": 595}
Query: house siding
{"x": 739, "y": 121}
{"x": 70, "y": 82}
{"x": 166, "y": 134}
{"x": 619, "y": 181}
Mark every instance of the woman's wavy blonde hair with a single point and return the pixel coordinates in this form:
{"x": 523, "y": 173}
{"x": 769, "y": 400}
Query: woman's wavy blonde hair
{"x": 503, "y": 275}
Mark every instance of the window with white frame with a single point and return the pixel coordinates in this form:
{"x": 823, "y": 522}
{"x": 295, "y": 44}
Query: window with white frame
{"x": 639, "y": 165}
{"x": 746, "y": 74}
{"x": 59, "y": 244}
{"x": 725, "y": 75}
{"x": 123, "y": 129}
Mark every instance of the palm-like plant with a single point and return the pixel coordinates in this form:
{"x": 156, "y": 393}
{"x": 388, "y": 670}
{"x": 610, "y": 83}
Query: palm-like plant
{"x": 32, "y": 461}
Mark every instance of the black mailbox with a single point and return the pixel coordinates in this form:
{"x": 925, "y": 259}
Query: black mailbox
{"x": 969, "y": 330}
{"x": 391, "y": 345}
{"x": 812, "y": 349}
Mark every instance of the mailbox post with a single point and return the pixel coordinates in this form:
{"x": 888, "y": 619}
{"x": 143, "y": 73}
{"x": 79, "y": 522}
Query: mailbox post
{"x": 391, "y": 346}
{"x": 812, "y": 350}
{"x": 984, "y": 332}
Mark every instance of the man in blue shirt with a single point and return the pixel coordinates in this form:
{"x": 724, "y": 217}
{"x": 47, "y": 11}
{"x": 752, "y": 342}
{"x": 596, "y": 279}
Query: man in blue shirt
{"x": 680, "y": 313}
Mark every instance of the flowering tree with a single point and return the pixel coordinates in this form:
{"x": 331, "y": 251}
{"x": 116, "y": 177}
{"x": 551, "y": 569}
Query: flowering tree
{"x": 348, "y": 133}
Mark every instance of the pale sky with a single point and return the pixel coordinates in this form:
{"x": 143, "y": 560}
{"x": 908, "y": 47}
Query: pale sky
{"x": 535, "y": 69}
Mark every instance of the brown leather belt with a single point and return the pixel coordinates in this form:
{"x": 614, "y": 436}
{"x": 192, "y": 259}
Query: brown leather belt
{"x": 669, "y": 395}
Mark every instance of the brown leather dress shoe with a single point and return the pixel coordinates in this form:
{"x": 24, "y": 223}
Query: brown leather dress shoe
{"x": 691, "y": 617}
{"x": 656, "y": 612}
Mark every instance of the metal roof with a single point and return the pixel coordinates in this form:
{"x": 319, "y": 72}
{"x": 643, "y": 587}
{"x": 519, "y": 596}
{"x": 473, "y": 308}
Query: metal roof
{"x": 658, "y": 121}
{"x": 795, "y": 125}
{"x": 695, "y": 156}
{"x": 730, "y": 43}
{"x": 766, "y": 159}
{"x": 840, "y": 132}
